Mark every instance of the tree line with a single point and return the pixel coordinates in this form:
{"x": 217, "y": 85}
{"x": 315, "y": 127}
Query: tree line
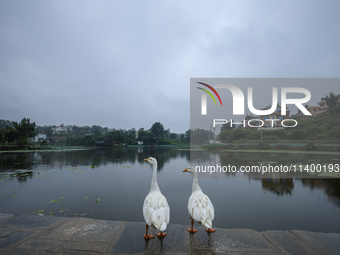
{"x": 155, "y": 135}
{"x": 13, "y": 132}
{"x": 315, "y": 128}
{"x": 19, "y": 133}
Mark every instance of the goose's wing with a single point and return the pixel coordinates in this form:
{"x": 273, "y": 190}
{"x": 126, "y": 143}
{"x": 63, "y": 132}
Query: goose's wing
{"x": 201, "y": 209}
{"x": 156, "y": 211}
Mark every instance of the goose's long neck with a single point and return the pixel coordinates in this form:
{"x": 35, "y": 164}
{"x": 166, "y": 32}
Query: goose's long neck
{"x": 154, "y": 184}
{"x": 195, "y": 185}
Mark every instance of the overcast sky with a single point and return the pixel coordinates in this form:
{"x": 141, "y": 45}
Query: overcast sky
{"x": 128, "y": 64}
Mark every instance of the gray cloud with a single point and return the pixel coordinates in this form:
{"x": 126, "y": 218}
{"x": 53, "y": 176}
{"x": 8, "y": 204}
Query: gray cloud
{"x": 129, "y": 64}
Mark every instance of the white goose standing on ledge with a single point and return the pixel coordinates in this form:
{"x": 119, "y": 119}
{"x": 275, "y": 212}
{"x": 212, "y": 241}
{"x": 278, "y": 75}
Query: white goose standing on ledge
{"x": 156, "y": 210}
{"x": 199, "y": 206}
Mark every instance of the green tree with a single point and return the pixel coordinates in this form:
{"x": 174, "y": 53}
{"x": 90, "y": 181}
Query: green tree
{"x": 131, "y": 133}
{"x": 254, "y": 135}
{"x": 143, "y": 136}
{"x": 98, "y": 136}
{"x": 25, "y": 129}
{"x": 173, "y": 136}
{"x": 76, "y": 129}
{"x": 227, "y": 127}
{"x": 240, "y": 133}
{"x": 187, "y": 136}
{"x": 331, "y": 100}
{"x": 109, "y": 137}
{"x": 234, "y": 134}
{"x": 182, "y": 137}
{"x": 96, "y": 127}
{"x": 157, "y": 130}
{"x": 298, "y": 134}
{"x": 337, "y": 109}
{"x": 4, "y": 127}
{"x": 225, "y": 135}
{"x": 200, "y": 136}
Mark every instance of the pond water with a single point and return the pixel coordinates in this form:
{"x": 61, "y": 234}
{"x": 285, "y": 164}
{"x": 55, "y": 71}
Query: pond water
{"x": 112, "y": 185}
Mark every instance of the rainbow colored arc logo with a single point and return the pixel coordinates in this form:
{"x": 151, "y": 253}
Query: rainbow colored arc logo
{"x": 212, "y": 89}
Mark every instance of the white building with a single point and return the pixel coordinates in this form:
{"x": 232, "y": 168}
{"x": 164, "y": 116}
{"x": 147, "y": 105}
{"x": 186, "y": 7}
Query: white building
{"x": 39, "y": 136}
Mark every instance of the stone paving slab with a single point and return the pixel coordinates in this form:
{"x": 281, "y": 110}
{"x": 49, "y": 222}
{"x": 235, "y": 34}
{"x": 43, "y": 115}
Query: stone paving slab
{"x": 4, "y": 217}
{"x": 132, "y": 240}
{"x": 82, "y": 229}
{"x": 234, "y": 240}
{"x": 287, "y": 244}
{"x": 328, "y": 243}
{"x": 85, "y": 247}
{"x": 32, "y": 234}
{"x": 39, "y": 244}
{"x": 31, "y": 221}
{"x": 11, "y": 237}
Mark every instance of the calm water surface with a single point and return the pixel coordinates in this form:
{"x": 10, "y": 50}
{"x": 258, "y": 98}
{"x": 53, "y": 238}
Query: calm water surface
{"x": 112, "y": 185}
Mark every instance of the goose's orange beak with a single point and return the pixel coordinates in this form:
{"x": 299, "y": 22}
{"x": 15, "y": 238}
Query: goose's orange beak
{"x": 147, "y": 160}
{"x": 185, "y": 170}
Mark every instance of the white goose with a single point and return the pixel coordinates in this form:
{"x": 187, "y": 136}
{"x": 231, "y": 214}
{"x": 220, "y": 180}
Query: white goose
{"x": 156, "y": 210}
{"x": 199, "y": 206}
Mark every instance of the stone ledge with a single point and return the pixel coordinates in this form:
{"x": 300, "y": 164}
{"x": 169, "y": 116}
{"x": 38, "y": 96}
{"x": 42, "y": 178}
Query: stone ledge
{"x": 32, "y": 234}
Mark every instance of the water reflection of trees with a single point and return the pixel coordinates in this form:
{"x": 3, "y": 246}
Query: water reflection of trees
{"x": 138, "y": 154}
{"x": 282, "y": 183}
{"x": 61, "y": 159}
{"x": 14, "y": 161}
{"x": 331, "y": 187}
{"x": 164, "y": 156}
{"x": 251, "y": 158}
{"x": 200, "y": 155}
{"x": 279, "y": 186}
{"x": 22, "y": 176}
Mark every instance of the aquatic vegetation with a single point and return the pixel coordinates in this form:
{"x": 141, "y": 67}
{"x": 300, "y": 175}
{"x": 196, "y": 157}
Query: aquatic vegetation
{"x": 53, "y": 201}
{"x": 13, "y": 194}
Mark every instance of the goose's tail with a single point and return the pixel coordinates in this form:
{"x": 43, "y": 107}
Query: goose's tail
{"x": 208, "y": 224}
